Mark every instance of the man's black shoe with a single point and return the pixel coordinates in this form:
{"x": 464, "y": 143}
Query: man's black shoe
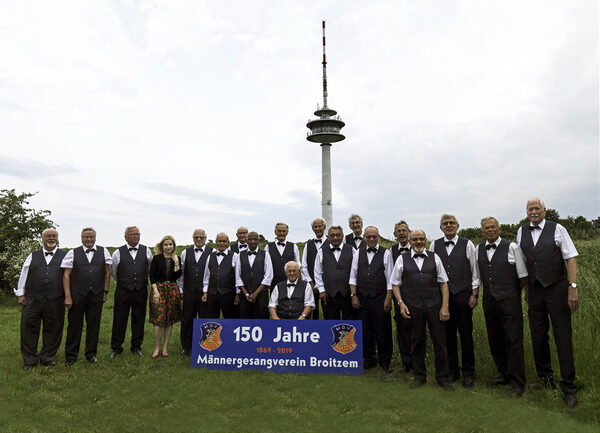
{"x": 544, "y": 383}
{"x": 49, "y": 364}
{"x": 387, "y": 369}
{"x": 28, "y": 367}
{"x": 515, "y": 392}
{"x": 468, "y": 381}
{"x": 499, "y": 380}
{"x": 69, "y": 362}
{"x": 114, "y": 354}
{"x": 92, "y": 359}
{"x": 455, "y": 376}
{"x": 570, "y": 400}
{"x": 137, "y": 351}
{"x": 417, "y": 382}
{"x": 405, "y": 369}
{"x": 446, "y": 384}
{"x": 186, "y": 352}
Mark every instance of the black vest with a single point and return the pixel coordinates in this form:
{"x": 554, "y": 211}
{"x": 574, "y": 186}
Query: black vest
{"x": 279, "y": 260}
{"x": 236, "y": 248}
{"x": 457, "y": 265}
{"x": 132, "y": 274}
{"x": 420, "y": 287}
{"x": 311, "y": 255}
{"x": 222, "y": 276}
{"x": 88, "y": 276}
{"x": 193, "y": 271}
{"x": 337, "y": 273}
{"x": 290, "y": 308}
{"x": 350, "y": 241}
{"x": 544, "y": 260}
{"x": 253, "y": 275}
{"x": 498, "y": 277}
{"x": 44, "y": 280}
{"x": 370, "y": 278}
{"x": 395, "y": 251}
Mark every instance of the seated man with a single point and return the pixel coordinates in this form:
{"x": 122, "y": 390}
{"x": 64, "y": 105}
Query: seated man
{"x": 291, "y": 298}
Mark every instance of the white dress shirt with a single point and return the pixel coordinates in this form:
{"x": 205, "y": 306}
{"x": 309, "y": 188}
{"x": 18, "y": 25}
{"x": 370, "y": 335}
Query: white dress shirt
{"x": 319, "y": 265}
{"x": 515, "y": 256}
{"x": 268, "y": 269}
{"x": 67, "y": 262}
{"x": 388, "y": 264}
{"x": 471, "y": 256}
{"x": 304, "y": 270}
{"x": 234, "y": 263}
{"x": 20, "y": 291}
{"x": 561, "y": 239}
{"x": 442, "y": 277}
{"x": 197, "y": 254}
{"x": 309, "y": 299}
{"x": 116, "y": 258}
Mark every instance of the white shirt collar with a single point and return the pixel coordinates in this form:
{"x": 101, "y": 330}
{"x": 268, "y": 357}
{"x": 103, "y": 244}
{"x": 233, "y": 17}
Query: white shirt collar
{"x": 540, "y": 225}
{"x": 496, "y": 242}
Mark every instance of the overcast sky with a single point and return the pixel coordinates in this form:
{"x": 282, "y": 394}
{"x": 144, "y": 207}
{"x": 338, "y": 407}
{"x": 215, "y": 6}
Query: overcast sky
{"x": 173, "y": 115}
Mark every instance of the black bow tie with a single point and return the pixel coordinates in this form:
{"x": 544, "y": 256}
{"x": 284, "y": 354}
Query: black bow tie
{"x": 357, "y": 238}
{"x": 371, "y": 250}
{"x": 318, "y": 241}
{"x": 336, "y": 249}
{"x": 48, "y": 253}
{"x": 403, "y": 249}
{"x": 291, "y": 284}
{"x": 448, "y": 243}
{"x": 251, "y": 253}
{"x": 221, "y": 254}
{"x": 488, "y": 246}
{"x": 243, "y": 246}
{"x": 198, "y": 249}
{"x": 89, "y": 251}
{"x": 133, "y": 249}
{"x": 281, "y": 243}
{"x": 420, "y": 255}
{"x": 532, "y": 228}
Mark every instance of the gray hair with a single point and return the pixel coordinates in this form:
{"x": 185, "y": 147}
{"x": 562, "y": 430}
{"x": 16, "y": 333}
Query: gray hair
{"x": 535, "y": 199}
{"x": 399, "y": 223}
{"x": 448, "y": 216}
{"x": 221, "y": 233}
{"x": 354, "y": 216}
{"x": 88, "y": 229}
{"x": 416, "y": 230}
{"x": 487, "y": 218}
{"x": 335, "y": 228}
{"x": 130, "y": 228}
{"x": 291, "y": 263}
{"x": 281, "y": 224}
{"x": 49, "y": 228}
{"x": 318, "y": 220}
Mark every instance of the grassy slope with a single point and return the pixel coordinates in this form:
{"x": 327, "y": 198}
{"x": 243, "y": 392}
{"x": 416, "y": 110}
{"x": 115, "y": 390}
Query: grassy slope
{"x": 132, "y": 394}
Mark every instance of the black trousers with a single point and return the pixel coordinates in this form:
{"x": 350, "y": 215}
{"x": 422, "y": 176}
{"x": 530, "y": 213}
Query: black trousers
{"x": 421, "y": 318}
{"x": 128, "y": 302}
{"x": 339, "y": 307}
{"x": 403, "y": 330}
{"x": 193, "y": 308}
{"x": 551, "y": 302}
{"x": 461, "y": 320}
{"x": 504, "y": 324}
{"x": 315, "y": 312}
{"x": 220, "y": 303}
{"x": 51, "y": 316}
{"x": 377, "y": 329}
{"x": 90, "y": 307}
{"x": 259, "y": 309}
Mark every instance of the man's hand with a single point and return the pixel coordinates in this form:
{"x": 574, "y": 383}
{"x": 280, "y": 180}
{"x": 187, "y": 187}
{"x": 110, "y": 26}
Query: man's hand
{"x": 323, "y": 297}
{"x": 404, "y": 310}
{"x": 526, "y": 294}
{"x": 251, "y": 297}
{"x": 104, "y": 297}
{"x": 573, "y": 299}
{"x": 21, "y": 300}
{"x": 444, "y": 313}
{"x": 473, "y": 301}
{"x": 68, "y": 301}
{"x": 204, "y": 297}
{"x": 355, "y": 302}
{"x": 236, "y": 300}
{"x": 387, "y": 305}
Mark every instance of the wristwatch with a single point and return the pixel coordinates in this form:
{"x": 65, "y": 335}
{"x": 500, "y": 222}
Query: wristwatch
{"x": 573, "y": 285}
{"x": 303, "y": 315}
{"x": 352, "y": 294}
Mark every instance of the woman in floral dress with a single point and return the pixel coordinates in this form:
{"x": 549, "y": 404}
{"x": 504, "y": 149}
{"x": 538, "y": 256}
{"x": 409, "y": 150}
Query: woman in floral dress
{"x": 165, "y": 298}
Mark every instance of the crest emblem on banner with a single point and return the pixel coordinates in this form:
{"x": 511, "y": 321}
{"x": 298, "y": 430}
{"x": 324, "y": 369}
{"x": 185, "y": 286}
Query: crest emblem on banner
{"x": 211, "y": 336}
{"x": 343, "y": 338}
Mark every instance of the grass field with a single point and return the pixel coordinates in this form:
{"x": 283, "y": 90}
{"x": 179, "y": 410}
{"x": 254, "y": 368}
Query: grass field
{"x": 131, "y": 394}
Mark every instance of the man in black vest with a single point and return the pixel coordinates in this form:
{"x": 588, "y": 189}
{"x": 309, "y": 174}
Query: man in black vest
{"x": 371, "y": 294}
{"x": 129, "y": 269}
{"x": 220, "y": 292}
{"x": 355, "y": 238}
{"x": 85, "y": 280}
{"x": 403, "y": 326}
{"x": 253, "y": 276}
{"x": 281, "y": 252}
{"x": 309, "y": 254}
{"x": 503, "y": 277}
{"x": 552, "y": 291}
{"x": 40, "y": 292}
{"x": 332, "y": 275}
{"x": 291, "y": 298}
{"x": 459, "y": 257}
{"x": 420, "y": 287}
{"x": 242, "y": 240}
{"x": 193, "y": 265}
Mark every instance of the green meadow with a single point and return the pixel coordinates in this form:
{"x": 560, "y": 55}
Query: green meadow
{"x": 132, "y": 394}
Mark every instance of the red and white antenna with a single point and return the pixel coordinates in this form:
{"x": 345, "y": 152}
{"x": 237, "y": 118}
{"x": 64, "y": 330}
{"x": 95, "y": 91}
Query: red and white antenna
{"x": 324, "y": 70}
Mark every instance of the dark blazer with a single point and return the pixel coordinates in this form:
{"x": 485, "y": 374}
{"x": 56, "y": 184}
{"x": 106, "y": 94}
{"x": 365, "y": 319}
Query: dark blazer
{"x": 158, "y": 270}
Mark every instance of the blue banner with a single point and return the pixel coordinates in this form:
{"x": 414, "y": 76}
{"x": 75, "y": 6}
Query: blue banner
{"x": 283, "y": 346}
